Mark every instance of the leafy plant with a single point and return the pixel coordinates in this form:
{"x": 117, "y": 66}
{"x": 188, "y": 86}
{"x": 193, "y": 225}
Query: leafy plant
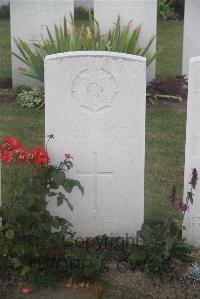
{"x": 157, "y": 253}
{"x": 160, "y": 248}
{"x": 30, "y": 237}
{"x": 166, "y": 9}
{"x": 30, "y": 98}
{"x": 85, "y": 265}
{"x": 21, "y": 88}
{"x": 82, "y": 38}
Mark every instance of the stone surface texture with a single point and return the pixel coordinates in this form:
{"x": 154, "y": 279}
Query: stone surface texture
{"x": 95, "y": 107}
{"x": 29, "y": 19}
{"x": 191, "y": 41}
{"x": 141, "y": 12}
{"x": 192, "y": 153}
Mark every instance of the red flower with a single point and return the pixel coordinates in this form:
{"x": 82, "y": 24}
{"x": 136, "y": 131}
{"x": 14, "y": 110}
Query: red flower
{"x": 26, "y": 290}
{"x": 40, "y": 156}
{"x": 68, "y": 156}
{"x": 7, "y": 156}
{"x": 12, "y": 143}
{"x": 23, "y": 155}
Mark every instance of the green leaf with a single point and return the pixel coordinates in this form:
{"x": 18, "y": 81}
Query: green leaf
{"x": 58, "y": 178}
{"x": 60, "y": 199}
{"x": 69, "y": 204}
{"x": 137, "y": 256}
{"x": 189, "y": 197}
{"x": 30, "y": 201}
{"x": 16, "y": 262}
{"x": 4, "y": 248}
{"x": 25, "y": 270}
{"x": 10, "y": 234}
{"x": 69, "y": 184}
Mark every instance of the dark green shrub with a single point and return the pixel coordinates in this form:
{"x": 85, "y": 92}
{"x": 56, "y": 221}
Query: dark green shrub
{"x": 80, "y": 13}
{"x": 179, "y": 6}
{"x": 161, "y": 248}
{"x": 166, "y": 10}
{"x": 171, "y": 9}
{"x": 5, "y": 11}
{"x": 85, "y": 265}
{"x": 158, "y": 253}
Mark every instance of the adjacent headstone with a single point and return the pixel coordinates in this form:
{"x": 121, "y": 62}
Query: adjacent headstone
{"x": 191, "y": 43}
{"x": 4, "y": 2}
{"x": 192, "y": 153}
{"x": 141, "y": 12}
{"x": 29, "y": 19}
{"x": 95, "y": 107}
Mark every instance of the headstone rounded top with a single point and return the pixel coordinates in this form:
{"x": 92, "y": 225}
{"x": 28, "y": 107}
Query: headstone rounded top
{"x": 75, "y": 54}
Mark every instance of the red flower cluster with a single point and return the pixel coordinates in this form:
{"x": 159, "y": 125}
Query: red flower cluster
{"x": 12, "y": 148}
{"x": 40, "y": 156}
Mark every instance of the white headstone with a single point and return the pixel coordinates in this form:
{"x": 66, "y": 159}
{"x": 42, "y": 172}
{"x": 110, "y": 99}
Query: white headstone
{"x": 95, "y": 107}
{"x": 141, "y": 12}
{"x": 4, "y": 2}
{"x": 191, "y": 42}
{"x": 29, "y": 19}
{"x": 192, "y": 152}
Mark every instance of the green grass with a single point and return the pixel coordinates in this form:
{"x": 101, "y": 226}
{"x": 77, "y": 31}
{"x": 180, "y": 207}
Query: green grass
{"x": 165, "y": 150}
{"x": 5, "y": 56}
{"x": 165, "y": 137}
{"x": 169, "y": 39}
{"x": 27, "y": 126}
{"x": 170, "y": 45}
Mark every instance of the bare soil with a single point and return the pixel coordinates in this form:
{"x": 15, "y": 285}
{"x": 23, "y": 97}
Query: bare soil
{"x": 121, "y": 283}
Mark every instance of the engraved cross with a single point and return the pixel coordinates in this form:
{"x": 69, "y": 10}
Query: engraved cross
{"x": 95, "y": 174}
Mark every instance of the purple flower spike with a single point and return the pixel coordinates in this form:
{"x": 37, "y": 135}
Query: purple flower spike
{"x": 183, "y": 206}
